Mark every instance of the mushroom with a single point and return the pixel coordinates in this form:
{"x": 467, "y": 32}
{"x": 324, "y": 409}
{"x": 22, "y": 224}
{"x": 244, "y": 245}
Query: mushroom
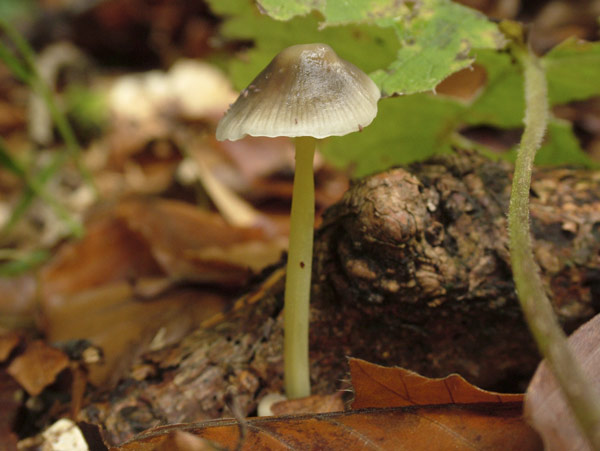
{"x": 306, "y": 92}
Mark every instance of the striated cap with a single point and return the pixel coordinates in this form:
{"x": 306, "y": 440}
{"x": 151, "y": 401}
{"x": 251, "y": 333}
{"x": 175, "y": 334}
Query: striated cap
{"x": 307, "y": 90}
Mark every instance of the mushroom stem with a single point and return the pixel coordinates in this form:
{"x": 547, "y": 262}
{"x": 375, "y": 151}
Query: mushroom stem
{"x": 299, "y": 268}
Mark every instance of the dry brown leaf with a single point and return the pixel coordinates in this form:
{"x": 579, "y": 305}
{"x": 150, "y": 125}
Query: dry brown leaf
{"x": 11, "y": 117}
{"x": 153, "y": 238}
{"x": 457, "y": 416}
{"x": 123, "y": 286}
{"x": 545, "y": 406}
{"x": 38, "y": 366}
{"x": 310, "y": 404}
{"x": 109, "y": 252}
{"x": 379, "y": 386}
{"x": 195, "y": 244}
{"x": 184, "y": 441}
{"x": 123, "y": 327}
{"x": 475, "y": 426}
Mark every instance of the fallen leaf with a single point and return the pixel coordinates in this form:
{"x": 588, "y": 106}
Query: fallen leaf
{"x": 412, "y": 412}
{"x": 475, "y": 426}
{"x": 38, "y": 366}
{"x": 126, "y": 287}
{"x": 11, "y": 117}
{"x": 198, "y": 245}
{"x": 309, "y": 404}
{"x": 379, "y": 386}
{"x": 109, "y": 252}
{"x": 111, "y": 318}
{"x": 545, "y": 406}
{"x": 184, "y": 441}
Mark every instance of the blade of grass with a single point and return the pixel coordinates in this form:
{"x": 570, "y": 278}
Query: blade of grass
{"x": 31, "y": 76}
{"x": 20, "y": 262}
{"x": 35, "y": 187}
{"x": 14, "y": 65}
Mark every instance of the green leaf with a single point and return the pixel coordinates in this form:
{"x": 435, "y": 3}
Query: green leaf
{"x": 15, "y": 10}
{"x": 436, "y": 35}
{"x": 562, "y": 147}
{"x": 573, "y": 71}
{"x": 418, "y": 43}
{"x": 282, "y": 10}
{"x": 339, "y": 13}
{"x": 502, "y": 102}
{"x": 7, "y": 161}
{"x": 436, "y": 43}
{"x": 406, "y": 129}
{"x": 367, "y": 46}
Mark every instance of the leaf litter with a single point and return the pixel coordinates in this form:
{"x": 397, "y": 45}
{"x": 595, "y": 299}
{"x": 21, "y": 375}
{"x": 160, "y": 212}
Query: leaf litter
{"x": 393, "y": 409}
{"x": 157, "y": 279}
{"x": 545, "y": 405}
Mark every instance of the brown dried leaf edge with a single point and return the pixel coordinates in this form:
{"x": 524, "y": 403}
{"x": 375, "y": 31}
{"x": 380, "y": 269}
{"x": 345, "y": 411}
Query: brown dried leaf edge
{"x": 481, "y": 426}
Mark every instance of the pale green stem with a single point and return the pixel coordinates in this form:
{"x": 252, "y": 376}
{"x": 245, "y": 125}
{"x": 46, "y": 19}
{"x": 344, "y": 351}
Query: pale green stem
{"x": 580, "y": 394}
{"x": 299, "y": 269}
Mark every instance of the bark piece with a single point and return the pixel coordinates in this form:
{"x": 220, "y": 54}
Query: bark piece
{"x": 411, "y": 269}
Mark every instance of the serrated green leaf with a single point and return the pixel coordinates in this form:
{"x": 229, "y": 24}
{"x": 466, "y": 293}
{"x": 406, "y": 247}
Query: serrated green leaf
{"x": 573, "y": 71}
{"x": 282, "y": 10}
{"x": 367, "y": 46}
{"x": 406, "y": 129}
{"x": 436, "y": 43}
{"x": 339, "y": 13}
{"x": 436, "y": 35}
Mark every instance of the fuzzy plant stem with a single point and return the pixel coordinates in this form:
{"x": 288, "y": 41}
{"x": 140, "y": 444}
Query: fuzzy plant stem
{"x": 299, "y": 268}
{"x": 581, "y": 396}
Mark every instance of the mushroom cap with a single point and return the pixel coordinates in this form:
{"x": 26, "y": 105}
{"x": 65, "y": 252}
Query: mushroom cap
{"x": 307, "y": 90}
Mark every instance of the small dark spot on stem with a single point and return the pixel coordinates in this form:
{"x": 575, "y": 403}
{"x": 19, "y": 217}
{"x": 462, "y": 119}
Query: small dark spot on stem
{"x": 360, "y": 128}
{"x": 301, "y": 264}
